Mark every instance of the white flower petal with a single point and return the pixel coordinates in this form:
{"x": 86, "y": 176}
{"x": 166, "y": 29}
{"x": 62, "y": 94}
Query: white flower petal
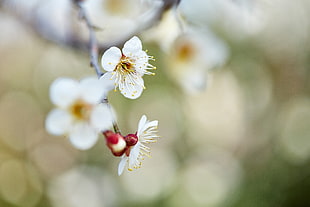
{"x": 148, "y": 132}
{"x": 101, "y": 117}
{"x": 92, "y": 90}
{"x": 141, "y": 124}
{"x": 149, "y": 125}
{"x": 111, "y": 58}
{"x": 107, "y": 81}
{"x": 134, "y": 155}
{"x": 141, "y": 63}
{"x": 83, "y": 136}
{"x": 58, "y": 122}
{"x": 122, "y": 164}
{"x": 132, "y": 87}
{"x": 132, "y": 46}
{"x": 64, "y": 91}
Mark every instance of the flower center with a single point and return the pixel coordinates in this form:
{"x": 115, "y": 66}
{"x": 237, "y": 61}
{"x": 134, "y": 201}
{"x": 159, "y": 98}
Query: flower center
{"x": 81, "y": 110}
{"x": 125, "y": 66}
{"x": 117, "y": 7}
{"x": 185, "y": 51}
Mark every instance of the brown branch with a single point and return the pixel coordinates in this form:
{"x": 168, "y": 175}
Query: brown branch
{"x": 93, "y": 52}
{"x": 32, "y": 19}
{"x": 114, "y": 123}
{"x": 93, "y": 45}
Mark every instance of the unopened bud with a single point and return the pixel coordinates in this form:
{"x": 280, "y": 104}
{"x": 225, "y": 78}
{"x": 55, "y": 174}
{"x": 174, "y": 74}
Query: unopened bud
{"x": 115, "y": 142}
{"x": 131, "y": 139}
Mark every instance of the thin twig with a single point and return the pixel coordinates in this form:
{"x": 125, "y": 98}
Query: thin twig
{"x": 93, "y": 45}
{"x": 44, "y": 28}
{"x": 115, "y": 126}
{"x": 93, "y": 53}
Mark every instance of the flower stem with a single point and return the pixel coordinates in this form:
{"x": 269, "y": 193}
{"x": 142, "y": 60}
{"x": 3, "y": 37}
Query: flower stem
{"x": 115, "y": 126}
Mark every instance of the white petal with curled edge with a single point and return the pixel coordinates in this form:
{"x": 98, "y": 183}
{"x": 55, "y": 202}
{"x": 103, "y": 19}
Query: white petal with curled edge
{"x": 141, "y": 125}
{"x": 83, "y": 136}
{"x": 101, "y": 117}
{"x": 111, "y": 58}
{"x": 132, "y": 89}
{"x": 141, "y": 62}
{"x": 58, "y": 122}
{"x": 122, "y": 164}
{"x": 91, "y": 90}
{"x": 132, "y": 46}
{"x": 107, "y": 81}
{"x": 134, "y": 154}
{"x": 64, "y": 91}
{"x": 147, "y": 125}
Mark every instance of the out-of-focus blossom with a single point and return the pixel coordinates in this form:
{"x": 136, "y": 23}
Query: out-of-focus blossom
{"x": 166, "y": 31}
{"x": 237, "y": 18}
{"x": 136, "y": 149}
{"x": 127, "y": 66}
{"x": 112, "y": 16}
{"x": 294, "y": 121}
{"x": 79, "y": 113}
{"x": 82, "y": 186}
{"x": 192, "y": 55}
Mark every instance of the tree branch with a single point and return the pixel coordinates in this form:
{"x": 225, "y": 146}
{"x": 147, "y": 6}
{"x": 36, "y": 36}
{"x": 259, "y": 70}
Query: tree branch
{"x": 32, "y": 19}
{"x": 93, "y": 45}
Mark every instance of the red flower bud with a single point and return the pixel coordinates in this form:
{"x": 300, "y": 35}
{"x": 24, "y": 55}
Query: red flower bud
{"x": 131, "y": 139}
{"x": 115, "y": 142}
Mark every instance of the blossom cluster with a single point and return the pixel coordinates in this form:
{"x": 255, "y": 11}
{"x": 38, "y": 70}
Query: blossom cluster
{"x": 82, "y": 110}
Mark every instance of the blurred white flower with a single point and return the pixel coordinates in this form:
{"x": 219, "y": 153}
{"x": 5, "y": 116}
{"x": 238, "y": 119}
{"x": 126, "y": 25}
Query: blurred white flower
{"x": 79, "y": 113}
{"x": 136, "y": 145}
{"x": 237, "y": 18}
{"x": 166, "y": 31}
{"x": 112, "y": 16}
{"x": 127, "y": 66}
{"x": 191, "y": 57}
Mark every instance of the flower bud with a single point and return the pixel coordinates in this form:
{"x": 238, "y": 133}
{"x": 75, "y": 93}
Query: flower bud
{"x": 115, "y": 142}
{"x": 131, "y": 139}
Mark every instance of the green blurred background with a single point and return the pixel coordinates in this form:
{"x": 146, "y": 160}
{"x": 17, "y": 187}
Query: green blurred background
{"x": 243, "y": 141}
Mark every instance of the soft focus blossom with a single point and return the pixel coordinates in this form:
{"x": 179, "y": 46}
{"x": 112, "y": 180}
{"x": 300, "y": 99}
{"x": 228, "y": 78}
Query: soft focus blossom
{"x": 192, "y": 55}
{"x": 166, "y": 31}
{"x": 112, "y": 16}
{"x": 137, "y": 149}
{"x": 127, "y": 66}
{"x": 237, "y": 18}
{"x": 78, "y": 114}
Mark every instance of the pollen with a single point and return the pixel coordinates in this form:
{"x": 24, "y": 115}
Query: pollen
{"x": 81, "y": 110}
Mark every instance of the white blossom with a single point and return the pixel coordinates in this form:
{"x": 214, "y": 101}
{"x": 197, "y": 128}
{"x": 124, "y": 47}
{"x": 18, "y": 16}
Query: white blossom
{"x": 126, "y": 67}
{"x": 147, "y": 133}
{"x": 192, "y": 56}
{"x": 79, "y": 113}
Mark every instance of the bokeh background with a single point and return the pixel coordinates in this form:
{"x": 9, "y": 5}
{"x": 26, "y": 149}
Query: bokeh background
{"x": 231, "y": 93}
